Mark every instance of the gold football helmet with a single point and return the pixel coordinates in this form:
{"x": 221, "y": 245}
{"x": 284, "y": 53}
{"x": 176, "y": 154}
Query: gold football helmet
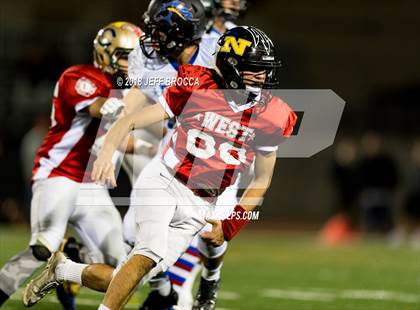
{"x": 112, "y": 42}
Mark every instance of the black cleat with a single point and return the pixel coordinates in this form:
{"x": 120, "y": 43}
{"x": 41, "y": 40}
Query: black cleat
{"x": 3, "y": 297}
{"x": 155, "y": 301}
{"x": 71, "y": 248}
{"x": 207, "y": 295}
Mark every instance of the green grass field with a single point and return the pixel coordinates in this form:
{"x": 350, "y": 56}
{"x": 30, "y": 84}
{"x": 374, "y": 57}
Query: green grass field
{"x": 288, "y": 271}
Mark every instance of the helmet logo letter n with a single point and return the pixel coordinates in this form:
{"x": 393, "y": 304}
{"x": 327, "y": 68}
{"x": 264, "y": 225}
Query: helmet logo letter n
{"x": 238, "y": 45}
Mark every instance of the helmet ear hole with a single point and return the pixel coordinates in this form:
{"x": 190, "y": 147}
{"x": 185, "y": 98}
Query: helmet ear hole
{"x": 232, "y": 61}
{"x": 233, "y": 84}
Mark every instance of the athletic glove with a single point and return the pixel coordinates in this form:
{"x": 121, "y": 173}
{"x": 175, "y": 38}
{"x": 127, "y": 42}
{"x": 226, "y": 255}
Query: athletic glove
{"x": 112, "y": 108}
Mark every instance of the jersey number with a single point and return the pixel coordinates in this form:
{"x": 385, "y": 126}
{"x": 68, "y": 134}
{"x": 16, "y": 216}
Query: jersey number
{"x": 208, "y": 148}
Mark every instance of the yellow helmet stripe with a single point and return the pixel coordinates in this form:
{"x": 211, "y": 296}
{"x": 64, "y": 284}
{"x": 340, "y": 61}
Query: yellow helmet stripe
{"x": 177, "y": 12}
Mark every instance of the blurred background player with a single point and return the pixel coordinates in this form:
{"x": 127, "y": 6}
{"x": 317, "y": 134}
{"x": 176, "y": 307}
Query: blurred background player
{"x": 173, "y": 31}
{"x": 411, "y": 208}
{"x": 62, "y": 159}
{"x": 378, "y": 177}
{"x": 106, "y": 50}
{"x": 223, "y": 15}
{"x": 342, "y": 225}
{"x": 408, "y": 228}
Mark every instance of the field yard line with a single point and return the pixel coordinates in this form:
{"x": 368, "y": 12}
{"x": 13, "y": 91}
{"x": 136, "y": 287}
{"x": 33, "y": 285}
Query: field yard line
{"x": 218, "y": 308}
{"x": 298, "y": 295}
{"x": 327, "y": 295}
{"x": 79, "y": 301}
{"x": 228, "y": 295}
{"x": 380, "y": 295}
{"x": 17, "y": 296}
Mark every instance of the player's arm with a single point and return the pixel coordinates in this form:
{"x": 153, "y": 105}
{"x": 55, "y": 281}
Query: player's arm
{"x": 135, "y": 100}
{"x": 263, "y": 173}
{"x": 251, "y": 198}
{"x": 103, "y": 168}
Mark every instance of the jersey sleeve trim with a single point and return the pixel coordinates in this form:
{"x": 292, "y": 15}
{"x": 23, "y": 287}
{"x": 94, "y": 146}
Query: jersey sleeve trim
{"x": 162, "y": 101}
{"x": 84, "y": 103}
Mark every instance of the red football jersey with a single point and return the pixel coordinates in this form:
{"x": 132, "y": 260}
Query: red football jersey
{"x": 66, "y": 147}
{"x": 212, "y": 143}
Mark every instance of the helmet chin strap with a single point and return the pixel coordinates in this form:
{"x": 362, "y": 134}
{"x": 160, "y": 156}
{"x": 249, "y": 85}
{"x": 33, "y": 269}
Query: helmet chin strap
{"x": 251, "y": 96}
{"x": 254, "y": 90}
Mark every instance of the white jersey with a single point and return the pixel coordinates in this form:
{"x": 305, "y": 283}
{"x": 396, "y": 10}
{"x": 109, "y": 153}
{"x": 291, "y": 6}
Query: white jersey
{"x": 212, "y": 35}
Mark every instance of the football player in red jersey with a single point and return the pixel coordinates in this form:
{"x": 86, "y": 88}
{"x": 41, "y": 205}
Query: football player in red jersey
{"x": 219, "y": 133}
{"x": 62, "y": 159}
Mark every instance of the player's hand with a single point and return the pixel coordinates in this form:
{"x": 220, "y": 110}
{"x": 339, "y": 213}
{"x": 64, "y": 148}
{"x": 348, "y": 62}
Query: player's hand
{"x": 103, "y": 172}
{"x": 214, "y": 237}
{"x": 112, "y": 108}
